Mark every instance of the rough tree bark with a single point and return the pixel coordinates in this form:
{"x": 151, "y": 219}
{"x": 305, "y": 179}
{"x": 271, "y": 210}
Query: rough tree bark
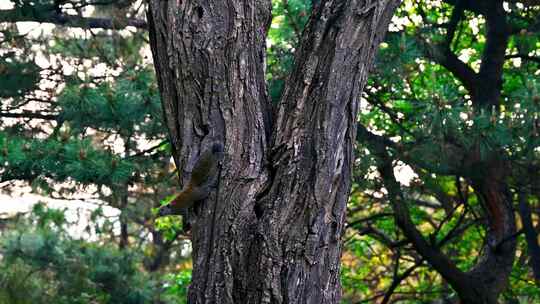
{"x": 271, "y": 231}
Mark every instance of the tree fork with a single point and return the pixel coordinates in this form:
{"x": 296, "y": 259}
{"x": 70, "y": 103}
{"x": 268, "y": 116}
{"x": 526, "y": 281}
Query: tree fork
{"x": 210, "y": 61}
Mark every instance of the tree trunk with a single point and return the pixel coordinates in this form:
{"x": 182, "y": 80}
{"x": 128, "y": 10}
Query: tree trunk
{"x": 271, "y": 232}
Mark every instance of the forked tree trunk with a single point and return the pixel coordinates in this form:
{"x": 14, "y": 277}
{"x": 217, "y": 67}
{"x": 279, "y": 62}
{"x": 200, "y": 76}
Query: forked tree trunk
{"x": 271, "y": 232}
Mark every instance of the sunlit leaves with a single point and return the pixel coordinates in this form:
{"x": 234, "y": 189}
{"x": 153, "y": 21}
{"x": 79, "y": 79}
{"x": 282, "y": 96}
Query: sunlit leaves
{"x": 288, "y": 20}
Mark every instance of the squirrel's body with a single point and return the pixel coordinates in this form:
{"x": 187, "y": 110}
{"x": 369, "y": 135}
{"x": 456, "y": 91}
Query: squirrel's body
{"x": 203, "y": 178}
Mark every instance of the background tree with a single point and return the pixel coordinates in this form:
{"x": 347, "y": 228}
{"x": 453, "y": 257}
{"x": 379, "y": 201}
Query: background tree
{"x": 42, "y": 263}
{"x": 81, "y": 120}
{"x": 88, "y": 118}
{"x": 455, "y": 97}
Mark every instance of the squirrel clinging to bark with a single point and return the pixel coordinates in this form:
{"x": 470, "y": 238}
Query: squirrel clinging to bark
{"x": 203, "y": 178}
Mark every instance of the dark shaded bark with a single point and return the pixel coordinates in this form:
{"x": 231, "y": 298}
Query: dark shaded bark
{"x": 489, "y": 173}
{"x": 271, "y": 232}
{"x": 303, "y": 209}
{"x": 123, "y": 218}
{"x": 531, "y": 236}
{"x": 487, "y": 93}
{"x": 209, "y": 59}
{"x": 491, "y": 274}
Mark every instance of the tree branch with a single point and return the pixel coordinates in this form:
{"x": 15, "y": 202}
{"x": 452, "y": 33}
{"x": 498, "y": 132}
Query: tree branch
{"x": 51, "y": 16}
{"x": 457, "y": 15}
{"x": 442, "y": 55}
{"x": 398, "y": 279}
{"x": 489, "y": 88}
{"x": 29, "y": 114}
{"x": 433, "y": 255}
{"x": 531, "y": 236}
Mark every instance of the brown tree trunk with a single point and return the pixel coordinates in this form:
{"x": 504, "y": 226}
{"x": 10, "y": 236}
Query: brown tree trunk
{"x": 271, "y": 232}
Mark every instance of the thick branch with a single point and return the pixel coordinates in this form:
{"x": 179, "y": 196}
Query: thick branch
{"x": 457, "y": 15}
{"x": 209, "y": 58}
{"x": 463, "y": 283}
{"x": 432, "y": 254}
{"x": 489, "y": 87}
{"x": 312, "y": 151}
{"x": 531, "y": 236}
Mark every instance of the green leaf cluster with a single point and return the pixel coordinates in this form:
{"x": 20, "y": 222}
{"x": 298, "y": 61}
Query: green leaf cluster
{"x": 44, "y": 264}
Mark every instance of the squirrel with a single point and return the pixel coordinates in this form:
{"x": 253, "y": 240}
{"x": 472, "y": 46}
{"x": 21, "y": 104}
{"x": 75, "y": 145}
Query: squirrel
{"x": 203, "y": 178}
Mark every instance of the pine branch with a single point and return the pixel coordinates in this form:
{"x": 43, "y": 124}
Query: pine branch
{"x": 29, "y": 114}
{"x": 51, "y": 16}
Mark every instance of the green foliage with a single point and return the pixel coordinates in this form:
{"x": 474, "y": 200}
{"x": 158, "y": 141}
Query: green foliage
{"x": 177, "y": 286}
{"x": 288, "y": 21}
{"x": 17, "y": 77}
{"x": 72, "y": 159}
{"x": 423, "y": 107}
{"x": 169, "y": 226}
{"x": 93, "y": 127}
{"x": 128, "y": 106}
{"x": 44, "y": 264}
